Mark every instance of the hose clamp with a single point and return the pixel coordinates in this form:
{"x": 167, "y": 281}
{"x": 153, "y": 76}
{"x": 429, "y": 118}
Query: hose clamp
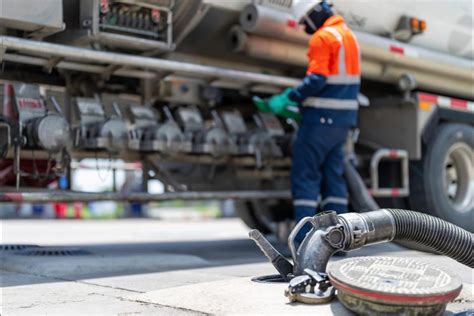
{"x": 392, "y": 220}
{"x": 356, "y": 230}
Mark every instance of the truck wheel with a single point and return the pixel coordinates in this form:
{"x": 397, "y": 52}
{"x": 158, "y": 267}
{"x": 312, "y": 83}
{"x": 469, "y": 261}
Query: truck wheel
{"x": 443, "y": 182}
{"x": 269, "y": 216}
{"x": 247, "y": 213}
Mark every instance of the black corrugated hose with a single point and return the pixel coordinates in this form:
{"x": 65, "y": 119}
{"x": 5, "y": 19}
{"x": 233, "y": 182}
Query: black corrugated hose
{"x": 361, "y": 199}
{"x": 446, "y": 238}
{"x": 412, "y": 227}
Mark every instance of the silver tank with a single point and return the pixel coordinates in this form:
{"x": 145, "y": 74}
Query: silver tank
{"x": 262, "y": 36}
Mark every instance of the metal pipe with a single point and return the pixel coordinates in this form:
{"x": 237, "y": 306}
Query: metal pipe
{"x": 48, "y": 196}
{"x": 447, "y": 74}
{"x": 128, "y": 73}
{"x": 267, "y": 22}
{"x": 425, "y": 80}
{"x": 266, "y": 48}
{"x": 274, "y": 24}
{"x": 433, "y": 70}
{"x": 370, "y": 71}
{"x": 88, "y": 55}
{"x": 379, "y": 68}
{"x": 380, "y": 49}
{"x": 75, "y": 66}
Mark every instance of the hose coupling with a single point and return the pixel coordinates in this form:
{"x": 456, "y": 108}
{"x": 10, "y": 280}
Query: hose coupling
{"x": 332, "y": 233}
{"x": 361, "y": 229}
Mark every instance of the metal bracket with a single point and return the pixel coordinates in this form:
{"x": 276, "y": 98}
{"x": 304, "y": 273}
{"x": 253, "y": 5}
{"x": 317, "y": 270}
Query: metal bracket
{"x": 109, "y": 71}
{"x": 51, "y": 63}
{"x": 389, "y": 154}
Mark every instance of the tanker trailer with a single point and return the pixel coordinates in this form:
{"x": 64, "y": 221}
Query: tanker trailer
{"x": 417, "y": 74}
{"x": 199, "y": 62}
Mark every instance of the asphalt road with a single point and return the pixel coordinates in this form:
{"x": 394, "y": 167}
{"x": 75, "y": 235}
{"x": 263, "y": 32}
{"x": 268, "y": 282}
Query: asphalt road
{"x": 157, "y": 267}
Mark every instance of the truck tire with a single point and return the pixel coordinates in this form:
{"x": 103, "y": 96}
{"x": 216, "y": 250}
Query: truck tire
{"x": 247, "y": 213}
{"x": 442, "y": 183}
{"x": 268, "y": 216}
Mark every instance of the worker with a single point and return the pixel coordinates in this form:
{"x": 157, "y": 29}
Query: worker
{"x": 328, "y": 95}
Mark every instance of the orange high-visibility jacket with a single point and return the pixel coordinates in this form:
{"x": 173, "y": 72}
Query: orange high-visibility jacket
{"x": 330, "y": 89}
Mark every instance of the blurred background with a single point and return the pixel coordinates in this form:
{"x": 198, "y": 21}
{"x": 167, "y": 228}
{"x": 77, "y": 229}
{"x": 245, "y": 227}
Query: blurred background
{"x": 103, "y": 175}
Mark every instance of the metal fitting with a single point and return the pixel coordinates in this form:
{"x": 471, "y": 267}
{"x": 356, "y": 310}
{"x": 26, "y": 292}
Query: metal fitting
{"x": 367, "y": 228}
{"x": 326, "y": 238}
{"x": 335, "y": 236}
{"x": 332, "y": 233}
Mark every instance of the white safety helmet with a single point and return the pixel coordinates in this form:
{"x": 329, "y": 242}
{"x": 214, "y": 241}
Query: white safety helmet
{"x": 311, "y": 12}
{"x": 301, "y": 8}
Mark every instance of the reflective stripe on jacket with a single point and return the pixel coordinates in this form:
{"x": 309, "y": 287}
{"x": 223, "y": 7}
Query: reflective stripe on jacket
{"x": 334, "y": 55}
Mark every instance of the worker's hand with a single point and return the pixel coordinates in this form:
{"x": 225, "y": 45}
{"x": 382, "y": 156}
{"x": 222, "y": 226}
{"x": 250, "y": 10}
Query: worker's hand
{"x": 261, "y": 104}
{"x": 282, "y": 105}
{"x": 278, "y": 103}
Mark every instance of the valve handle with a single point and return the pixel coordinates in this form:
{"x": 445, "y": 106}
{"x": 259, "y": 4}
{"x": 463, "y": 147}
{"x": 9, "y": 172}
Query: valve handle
{"x": 283, "y": 266}
{"x": 294, "y": 232}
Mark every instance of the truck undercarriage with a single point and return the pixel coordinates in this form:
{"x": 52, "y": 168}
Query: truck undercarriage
{"x": 136, "y": 81}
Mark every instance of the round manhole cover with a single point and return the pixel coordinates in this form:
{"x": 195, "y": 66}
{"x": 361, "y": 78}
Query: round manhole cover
{"x": 16, "y": 247}
{"x": 52, "y": 251}
{"x": 393, "y": 285}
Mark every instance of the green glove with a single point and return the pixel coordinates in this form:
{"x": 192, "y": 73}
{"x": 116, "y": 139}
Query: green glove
{"x": 290, "y": 108}
{"x": 291, "y": 112}
{"x": 261, "y": 104}
{"x": 278, "y": 103}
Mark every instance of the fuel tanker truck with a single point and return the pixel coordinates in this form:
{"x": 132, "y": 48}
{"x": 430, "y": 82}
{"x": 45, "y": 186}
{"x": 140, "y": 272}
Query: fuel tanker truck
{"x": 169, "y": 84}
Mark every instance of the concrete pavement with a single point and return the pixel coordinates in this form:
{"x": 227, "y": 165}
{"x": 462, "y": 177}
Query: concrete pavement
{"x": 157, "y": 267}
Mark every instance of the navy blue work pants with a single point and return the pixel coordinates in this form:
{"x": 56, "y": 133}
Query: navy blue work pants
{"x": 317, "y": 180}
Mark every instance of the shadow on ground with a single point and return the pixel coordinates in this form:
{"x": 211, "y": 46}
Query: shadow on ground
{"x": 108, "y": 260}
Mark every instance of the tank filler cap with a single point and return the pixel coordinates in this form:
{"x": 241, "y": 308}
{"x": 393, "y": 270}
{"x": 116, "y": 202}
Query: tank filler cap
{"x": 386, "y": 285}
